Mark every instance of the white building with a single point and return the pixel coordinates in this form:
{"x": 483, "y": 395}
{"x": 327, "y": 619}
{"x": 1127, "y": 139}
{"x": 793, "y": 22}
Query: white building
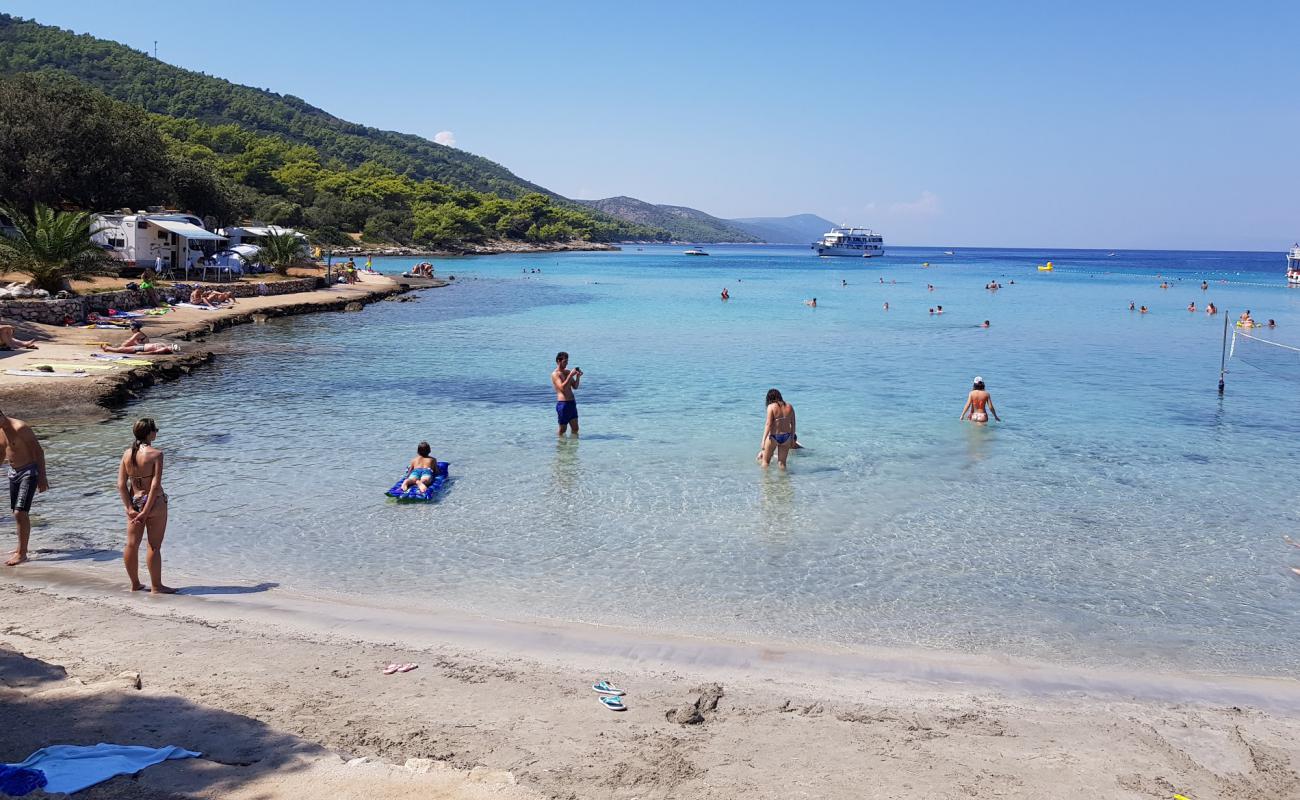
{"x": 141, "y": 239}
{"x": 252, "y": 234}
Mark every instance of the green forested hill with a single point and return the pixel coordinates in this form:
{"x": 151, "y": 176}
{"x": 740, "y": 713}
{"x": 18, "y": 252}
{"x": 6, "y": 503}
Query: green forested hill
{"x": 138, "y": 79}
{"x": 88, "y": 123}
{"x": 685, "y": 224}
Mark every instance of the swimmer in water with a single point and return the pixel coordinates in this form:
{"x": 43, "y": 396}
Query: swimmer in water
{"x": 1204, "y": 286}
{"x": 932, "y": 312}
{"x": 1132, "y": 306}
{"x": 985, "y": 324}
{"x": 726, "y": 295}
{"x": 1143, "y": 309}
{"x": 886, "y": 306}
{"x": 843, "y": 282}
{"x": 979, "y": 404}
{"x": 1272, "y": 324}
{"x": 778, "y": 430}
{"x": 811, "y": 303}
{"x": 1211, "y": 309}
{"x": 1191, "y": 306}
{"x": 938, "y": 309}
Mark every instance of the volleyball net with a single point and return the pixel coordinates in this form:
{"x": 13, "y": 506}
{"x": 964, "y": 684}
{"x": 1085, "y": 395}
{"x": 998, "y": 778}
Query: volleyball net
{"x": 1274, "y": 358}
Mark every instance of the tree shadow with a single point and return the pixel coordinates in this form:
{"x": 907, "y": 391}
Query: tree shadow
{"x": 17, "y": 671}
{"x": 41, "y": 707}
{"x": 261, "y": 587}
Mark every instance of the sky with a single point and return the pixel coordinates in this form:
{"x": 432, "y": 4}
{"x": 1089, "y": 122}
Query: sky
{"x": 1103, "y": 124}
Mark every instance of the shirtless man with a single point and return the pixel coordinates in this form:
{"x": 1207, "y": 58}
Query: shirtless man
{"x": 26, "y": 477}
{"x": 976, "y": 403}
{"x": 565, "y": 380}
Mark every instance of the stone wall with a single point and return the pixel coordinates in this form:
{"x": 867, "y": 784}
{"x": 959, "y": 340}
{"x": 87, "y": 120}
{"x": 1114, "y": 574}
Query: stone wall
{"x": 55, "y": 312}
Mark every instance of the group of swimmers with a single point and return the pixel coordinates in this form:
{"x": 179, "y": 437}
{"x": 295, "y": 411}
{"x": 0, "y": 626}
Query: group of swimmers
{"x": 422, "y": 270}
{"x": 780, "y": 434}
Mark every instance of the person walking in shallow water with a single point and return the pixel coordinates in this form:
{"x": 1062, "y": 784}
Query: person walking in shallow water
{"x": 139, "y": 483}
{"x": 778, "y": 430}
{"x": 979, "y": 404}
{"x": 26, "y": 459}
{"x": 565, "y": 380}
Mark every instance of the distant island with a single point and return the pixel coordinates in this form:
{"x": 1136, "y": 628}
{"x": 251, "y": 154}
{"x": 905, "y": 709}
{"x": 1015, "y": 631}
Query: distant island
{"x": 692, "y": 225}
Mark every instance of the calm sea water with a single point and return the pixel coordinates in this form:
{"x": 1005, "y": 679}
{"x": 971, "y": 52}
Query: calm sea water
{"x": 1123, "y": 513}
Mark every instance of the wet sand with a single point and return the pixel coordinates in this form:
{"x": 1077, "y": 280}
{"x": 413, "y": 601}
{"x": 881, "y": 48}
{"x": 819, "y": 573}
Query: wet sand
{"x": 281, "y": 689}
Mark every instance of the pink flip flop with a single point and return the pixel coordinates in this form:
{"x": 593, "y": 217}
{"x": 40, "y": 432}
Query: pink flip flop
{"x": 408, "y": 667}
{"x": 391, "y": 668}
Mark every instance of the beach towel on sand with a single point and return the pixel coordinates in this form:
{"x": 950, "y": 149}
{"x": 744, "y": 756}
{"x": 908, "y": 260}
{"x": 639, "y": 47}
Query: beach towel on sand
{"x": 71, "y": 768}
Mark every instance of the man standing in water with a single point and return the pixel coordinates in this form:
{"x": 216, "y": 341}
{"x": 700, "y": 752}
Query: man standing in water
{"x": 565, "y": 380}
{"x": 26, "y": 477}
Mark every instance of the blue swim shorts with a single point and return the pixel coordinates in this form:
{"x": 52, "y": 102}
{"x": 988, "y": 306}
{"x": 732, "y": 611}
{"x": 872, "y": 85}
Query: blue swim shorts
{"x": 566, "y": 411}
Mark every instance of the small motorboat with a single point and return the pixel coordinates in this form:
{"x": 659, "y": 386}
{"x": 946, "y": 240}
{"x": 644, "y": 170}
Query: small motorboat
{"x": 949, "y": 253}
{"x": 695, "y": 251}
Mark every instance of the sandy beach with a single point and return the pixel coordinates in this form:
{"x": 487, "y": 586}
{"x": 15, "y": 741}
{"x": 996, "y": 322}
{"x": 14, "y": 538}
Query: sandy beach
{"x": 39, "y": 398}
{"x": 284, "y": 692}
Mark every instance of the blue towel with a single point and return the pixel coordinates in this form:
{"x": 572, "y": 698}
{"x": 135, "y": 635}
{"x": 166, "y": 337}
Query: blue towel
{"x": 71, "y": 768}
{"x": 19, "y": 781}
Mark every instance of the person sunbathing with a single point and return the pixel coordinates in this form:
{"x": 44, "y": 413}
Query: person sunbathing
{"x": 209, "y": 297}
{"x": 10, "y": 341}
{"x": 138, "y": 342}
{"x": 423, "y": 469}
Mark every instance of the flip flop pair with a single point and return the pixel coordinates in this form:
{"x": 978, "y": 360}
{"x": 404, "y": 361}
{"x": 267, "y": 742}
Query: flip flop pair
{"x": 611, "y": 696}
{"x": 391, "y": 668}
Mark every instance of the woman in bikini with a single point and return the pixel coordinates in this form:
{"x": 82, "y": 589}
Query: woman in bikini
{"x": 778, "y": 430}
{"x": 979, "y": 404}
{"x": 138, "y": 344}
{"x": 139, "y": 482}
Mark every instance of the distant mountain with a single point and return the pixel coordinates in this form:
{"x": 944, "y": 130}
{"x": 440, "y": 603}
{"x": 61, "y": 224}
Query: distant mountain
{"x": 797, "y": 229}
{"x": 685, "y": 224}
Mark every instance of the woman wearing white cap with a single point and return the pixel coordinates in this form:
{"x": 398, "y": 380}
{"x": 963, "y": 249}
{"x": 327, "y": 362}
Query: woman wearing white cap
{"x": 977, "y": 401}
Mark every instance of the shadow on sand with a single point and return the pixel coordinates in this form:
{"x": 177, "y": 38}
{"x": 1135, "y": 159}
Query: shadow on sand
{"x": 261, "y": 587}
{"x": 42, "y": 707}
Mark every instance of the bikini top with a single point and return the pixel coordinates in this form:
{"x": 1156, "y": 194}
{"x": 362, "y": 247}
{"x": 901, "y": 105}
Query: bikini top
{"x": 780, "y": 418}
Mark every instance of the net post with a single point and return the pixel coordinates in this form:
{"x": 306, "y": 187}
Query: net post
{"x": 1223, "y": 353}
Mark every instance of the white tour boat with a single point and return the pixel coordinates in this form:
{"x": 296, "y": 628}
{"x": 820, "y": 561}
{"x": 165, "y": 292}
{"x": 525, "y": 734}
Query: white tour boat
{"x": 860, "y": 242}
{"x": 1293, "y": 266}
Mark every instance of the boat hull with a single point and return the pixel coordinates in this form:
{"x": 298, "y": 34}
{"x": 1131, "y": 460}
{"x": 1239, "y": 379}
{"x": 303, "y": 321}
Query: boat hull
{"x": 845, "y": 251}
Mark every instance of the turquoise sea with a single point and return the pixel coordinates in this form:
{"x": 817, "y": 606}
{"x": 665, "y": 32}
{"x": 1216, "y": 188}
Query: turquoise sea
{"x": 1123, "y": 513}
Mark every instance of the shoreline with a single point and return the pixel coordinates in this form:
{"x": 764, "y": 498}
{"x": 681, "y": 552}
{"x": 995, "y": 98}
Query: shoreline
{"x": 41, "y": 399}
{"x": 513, "y": 701}
{"x": 491, "y": 249}
{"x": 316, "y": 612}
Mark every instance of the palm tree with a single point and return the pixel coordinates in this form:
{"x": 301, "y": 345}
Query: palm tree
{"x": 280, "y": 250}
{"x": 53, "y": 248}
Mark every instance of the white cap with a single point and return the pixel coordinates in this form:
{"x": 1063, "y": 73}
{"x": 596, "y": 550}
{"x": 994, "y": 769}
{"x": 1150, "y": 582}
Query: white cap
{"x": 978, "y": 379}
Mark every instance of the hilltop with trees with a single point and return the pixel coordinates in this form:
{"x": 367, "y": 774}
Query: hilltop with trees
{"x": 91, "y": 124}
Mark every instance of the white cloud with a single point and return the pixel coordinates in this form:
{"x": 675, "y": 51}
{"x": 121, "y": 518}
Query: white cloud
{"x": 445, "y": 137}
{"x": 927, "y": 205}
